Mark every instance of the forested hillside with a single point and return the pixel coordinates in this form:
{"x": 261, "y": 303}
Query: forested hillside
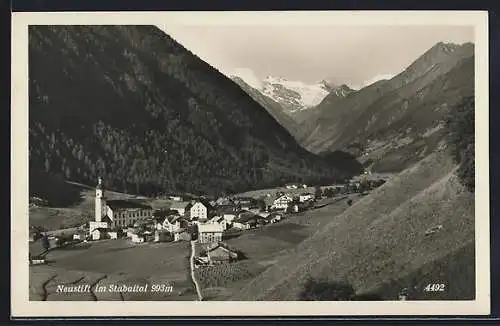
{"x": 132, "y": 105}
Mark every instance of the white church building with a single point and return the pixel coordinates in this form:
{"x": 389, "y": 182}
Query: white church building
{"x": 113, "y": 214}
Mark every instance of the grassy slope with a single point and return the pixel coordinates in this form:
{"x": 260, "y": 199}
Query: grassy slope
{"x": 381, "y": 238}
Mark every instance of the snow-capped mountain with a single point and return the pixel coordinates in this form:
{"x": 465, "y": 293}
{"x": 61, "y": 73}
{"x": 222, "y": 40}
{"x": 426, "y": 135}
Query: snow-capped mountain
{"x": 291, "y": 95}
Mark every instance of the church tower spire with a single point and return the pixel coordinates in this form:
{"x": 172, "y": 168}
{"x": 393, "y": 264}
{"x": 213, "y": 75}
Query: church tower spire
{"x": 99, "y": 200}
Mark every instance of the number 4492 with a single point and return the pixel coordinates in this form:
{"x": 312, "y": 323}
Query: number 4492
{"x": 434, "y": 287}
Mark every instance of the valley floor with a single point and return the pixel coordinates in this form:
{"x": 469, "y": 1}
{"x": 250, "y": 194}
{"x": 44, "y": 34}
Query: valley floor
{"x": 380, "y": 244}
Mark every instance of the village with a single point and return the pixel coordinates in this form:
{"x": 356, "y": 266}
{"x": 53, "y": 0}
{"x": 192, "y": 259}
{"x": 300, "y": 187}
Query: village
{"x": 201, "y": 220}
{"x": 206, "y": 223}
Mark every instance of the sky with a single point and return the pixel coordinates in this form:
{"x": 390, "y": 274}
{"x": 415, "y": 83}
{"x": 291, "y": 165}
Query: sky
{"x": 352, "y": 55}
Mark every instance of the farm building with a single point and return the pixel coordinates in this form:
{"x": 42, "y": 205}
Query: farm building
{"x": 219, "y": 254}
{"x": 175, "y": 198}
{"x": 245, "y": 221}
{"x": 182, "y": 207}
{"x": 208, "y": 233}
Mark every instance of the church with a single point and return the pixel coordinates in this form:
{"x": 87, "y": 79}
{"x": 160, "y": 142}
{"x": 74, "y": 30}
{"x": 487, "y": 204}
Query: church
{"x": 113, "y": 214}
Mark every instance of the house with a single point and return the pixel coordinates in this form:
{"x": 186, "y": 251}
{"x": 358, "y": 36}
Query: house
{"x": 245, "y": 221}
{"x": 175, "y": 198}
{"x": 291, "y": 186}
{"x": 182, "y": 235}
{"x": 199, "y": 211}
{"x": 99, "y": 233}
{"x": 241, "y": 225}
{"x": 182, "y": 207}
{"x": 274, "y": 218}
{"x": 36, "y": 260}
{"x": 219, "y": 220}
{"x": 229, "y": 217}
{"x": 305, "y": 197}
{"x": 224, "y": 201}
{"x": 208, "y": 233}
{"x": 219, "y": 254}
{"x": 200, "y": 261}
{"x": 131, "y": 231}
{"x": 80, "y": 235}
{"x": 171, "y": 223}
{"x": 138, "y": 237}
{"x": 282, "y": 202}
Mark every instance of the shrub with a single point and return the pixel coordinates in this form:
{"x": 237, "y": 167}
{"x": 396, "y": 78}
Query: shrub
{"x": 324, "y": 290}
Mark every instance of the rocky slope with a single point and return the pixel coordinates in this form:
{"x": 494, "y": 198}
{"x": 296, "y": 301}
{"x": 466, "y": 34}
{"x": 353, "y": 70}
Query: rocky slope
{"x": 272, "y": 107}
{"x": 292, "y": 96}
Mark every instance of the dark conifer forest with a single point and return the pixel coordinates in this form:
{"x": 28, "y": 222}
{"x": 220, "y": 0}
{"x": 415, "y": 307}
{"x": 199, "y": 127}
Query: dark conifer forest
{"x": 130, "y": 104}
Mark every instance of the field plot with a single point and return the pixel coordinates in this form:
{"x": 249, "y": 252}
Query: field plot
{"x": 115, "y": 262}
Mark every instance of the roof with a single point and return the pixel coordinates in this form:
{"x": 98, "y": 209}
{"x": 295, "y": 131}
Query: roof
{"x": 126, "y": 204}
{"x": 247, "y": 218}
{"x": 210, "y": 228}
{"x": 204, "y": 202}
{"x": 180, "y": 205}
{"x": 284, "y": 195}
{"x": 171, "y": 218}
{"x": 163, "y": 213}
{"x": 217, "y": 218}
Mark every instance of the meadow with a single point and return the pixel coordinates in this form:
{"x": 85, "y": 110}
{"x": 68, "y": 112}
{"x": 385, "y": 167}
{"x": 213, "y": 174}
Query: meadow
{"x": 114, "y": 262}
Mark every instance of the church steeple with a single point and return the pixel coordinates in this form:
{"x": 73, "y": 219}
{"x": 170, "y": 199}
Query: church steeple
{"x": 100, "y": 201}
{"x": 99, "y": 183}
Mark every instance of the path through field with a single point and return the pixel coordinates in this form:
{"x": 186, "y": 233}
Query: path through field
{"x": 191, "y": 266}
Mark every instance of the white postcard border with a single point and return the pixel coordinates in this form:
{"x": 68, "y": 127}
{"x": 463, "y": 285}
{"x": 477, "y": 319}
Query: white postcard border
{"x": 22, "y": 307}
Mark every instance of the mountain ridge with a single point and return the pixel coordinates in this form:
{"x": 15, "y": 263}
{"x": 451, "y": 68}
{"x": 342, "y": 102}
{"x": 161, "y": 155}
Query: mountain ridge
{"x": 149, "y": 116}
{"x": 428, "y": 83}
